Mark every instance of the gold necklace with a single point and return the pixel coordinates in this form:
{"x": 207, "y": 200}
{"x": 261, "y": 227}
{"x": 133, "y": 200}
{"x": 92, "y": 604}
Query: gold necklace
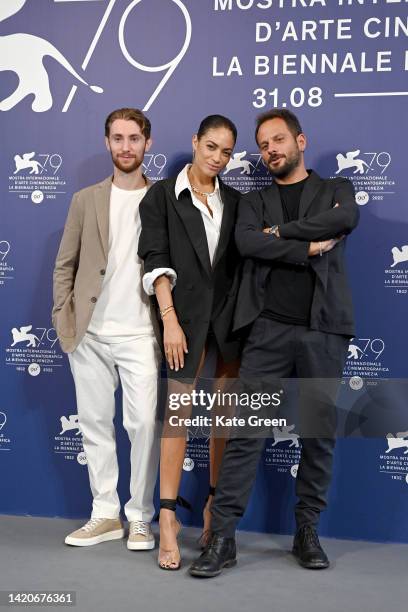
{"x": 205, "y": 194}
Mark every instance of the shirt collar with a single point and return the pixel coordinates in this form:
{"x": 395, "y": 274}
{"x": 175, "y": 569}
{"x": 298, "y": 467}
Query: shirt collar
{"x": 183, "y": 183}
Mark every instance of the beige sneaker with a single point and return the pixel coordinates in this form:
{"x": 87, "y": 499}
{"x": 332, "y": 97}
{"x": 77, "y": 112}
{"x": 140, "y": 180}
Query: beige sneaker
{"x": 95, "y": 531}
{"x": 140, "y": 536}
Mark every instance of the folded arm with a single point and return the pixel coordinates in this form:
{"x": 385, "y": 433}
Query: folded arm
{"x": 339, "y": 220}
{"x": 253, "y": 242}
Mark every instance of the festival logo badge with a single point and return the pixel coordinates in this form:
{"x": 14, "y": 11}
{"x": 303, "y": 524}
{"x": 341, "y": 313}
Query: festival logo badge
{"x": 188, "y": 464}
{"x": 68, "y": 442}
{"x": 376, "y": 413}
{"x": 5, "y": 441}
{"x": 394, "y": 461}
{"x": 6, "y": 265}
{"x": 246, "y": 172}
{"x": 197, "y": 450}
{"x": 283, "y": 454}
{"x": 33, "y": 350}
{"x": 356, "y": 383}
{"x": 154, "y": 165}
{"x": 24, "y": 54}
{"x": 37, "y": 177}
{"x": 365, "y": 360}
{"x": 369, "y": 173}
{"x": 396, "y": 274}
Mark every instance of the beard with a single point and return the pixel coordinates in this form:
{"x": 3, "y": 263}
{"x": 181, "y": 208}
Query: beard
{"x": 292, "y": 161}
{"x": 127, "y": 168}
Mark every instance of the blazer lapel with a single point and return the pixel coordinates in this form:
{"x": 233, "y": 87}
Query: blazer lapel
{"x": 102, "y": 200}
{"x": 312, "y": 186}
{"x": 192, "y": 220}
{"x": 273, "y": 214}
{"x": 228, "y": 221}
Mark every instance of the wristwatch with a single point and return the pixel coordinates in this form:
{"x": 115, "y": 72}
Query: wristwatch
{"x": 273, "y": 229}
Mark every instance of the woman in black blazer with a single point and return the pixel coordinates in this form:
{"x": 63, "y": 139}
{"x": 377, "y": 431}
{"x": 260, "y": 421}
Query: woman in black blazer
{"x": 191, "y": 265}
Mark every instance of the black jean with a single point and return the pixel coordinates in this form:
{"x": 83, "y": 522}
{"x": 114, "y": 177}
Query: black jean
{"x": 274, "y": 351}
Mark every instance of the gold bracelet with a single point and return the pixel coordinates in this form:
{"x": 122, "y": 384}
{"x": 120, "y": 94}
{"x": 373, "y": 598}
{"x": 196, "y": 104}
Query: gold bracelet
{"x": 166, "y": 310}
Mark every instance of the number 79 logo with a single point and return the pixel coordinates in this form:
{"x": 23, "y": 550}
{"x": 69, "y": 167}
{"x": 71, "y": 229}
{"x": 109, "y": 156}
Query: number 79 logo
{"x": 168, "y": 68}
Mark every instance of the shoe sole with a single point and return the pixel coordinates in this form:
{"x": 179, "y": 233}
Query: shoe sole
{"x": 141, "y": 545}
{"x": 104, "y": 537}
{"x": 310, "y": 565}
{"x": 206, "y": 574}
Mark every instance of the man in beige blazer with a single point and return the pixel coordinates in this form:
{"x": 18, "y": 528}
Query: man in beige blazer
{"x": 105, "y": 323}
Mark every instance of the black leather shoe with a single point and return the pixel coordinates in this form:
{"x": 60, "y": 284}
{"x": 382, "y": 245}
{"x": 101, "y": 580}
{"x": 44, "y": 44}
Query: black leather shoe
{"x": 219, "y": 553}
{"x": 307, "y": 549}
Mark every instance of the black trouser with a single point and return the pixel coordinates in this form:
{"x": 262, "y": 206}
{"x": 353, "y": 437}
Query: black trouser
{"x": 273, "y": 351}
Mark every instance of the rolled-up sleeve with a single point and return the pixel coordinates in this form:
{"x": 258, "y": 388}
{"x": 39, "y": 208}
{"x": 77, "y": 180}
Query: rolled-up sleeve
{"x": 150, "y": 277}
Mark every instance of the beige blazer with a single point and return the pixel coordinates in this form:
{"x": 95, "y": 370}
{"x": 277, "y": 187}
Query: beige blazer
{"x": 81, "y": 263}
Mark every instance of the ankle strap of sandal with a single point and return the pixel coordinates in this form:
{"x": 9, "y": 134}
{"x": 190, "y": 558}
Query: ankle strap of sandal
{"x": 170, "y": 504}
{"x": 183, "y": 503}
{"x": 211, "y": 490}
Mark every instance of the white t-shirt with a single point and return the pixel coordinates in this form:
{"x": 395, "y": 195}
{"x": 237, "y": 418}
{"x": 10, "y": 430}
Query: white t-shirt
{"x": 123, "y": 307}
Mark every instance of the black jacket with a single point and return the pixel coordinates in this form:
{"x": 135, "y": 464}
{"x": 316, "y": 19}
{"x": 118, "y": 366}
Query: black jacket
{"x": 331, "y": 306}
{"x": 173, "y": 236}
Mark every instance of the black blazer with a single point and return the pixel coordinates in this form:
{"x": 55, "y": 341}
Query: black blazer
{"x": 173, "y": 236}
{"x": 331, "y": 305}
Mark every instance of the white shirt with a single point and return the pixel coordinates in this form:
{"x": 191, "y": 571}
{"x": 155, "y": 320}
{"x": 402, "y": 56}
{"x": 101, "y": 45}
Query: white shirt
{"x": 212, "y": 226}
{"x": 123, "y": 308}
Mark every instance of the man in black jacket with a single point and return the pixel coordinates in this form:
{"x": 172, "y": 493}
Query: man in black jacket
{"x": 295, "y": 301}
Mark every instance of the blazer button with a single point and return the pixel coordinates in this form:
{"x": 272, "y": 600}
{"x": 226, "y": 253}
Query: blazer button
{"x": 102, "y": 272}
{"x": 93, "y": 300}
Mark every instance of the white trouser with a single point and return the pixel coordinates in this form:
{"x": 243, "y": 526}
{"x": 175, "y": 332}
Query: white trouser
{"x": 96, "y": 368}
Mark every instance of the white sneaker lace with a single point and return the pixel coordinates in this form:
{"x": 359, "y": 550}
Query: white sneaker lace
{"x": 92, "y": 523}
{"x": 139, "y": 528}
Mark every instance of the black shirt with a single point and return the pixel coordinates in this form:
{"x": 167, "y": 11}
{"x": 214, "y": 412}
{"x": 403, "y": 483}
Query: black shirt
{"x": 289, "y": 288}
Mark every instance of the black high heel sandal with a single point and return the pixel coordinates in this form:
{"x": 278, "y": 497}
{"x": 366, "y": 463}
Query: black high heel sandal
{"x": 205, "y": 537}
